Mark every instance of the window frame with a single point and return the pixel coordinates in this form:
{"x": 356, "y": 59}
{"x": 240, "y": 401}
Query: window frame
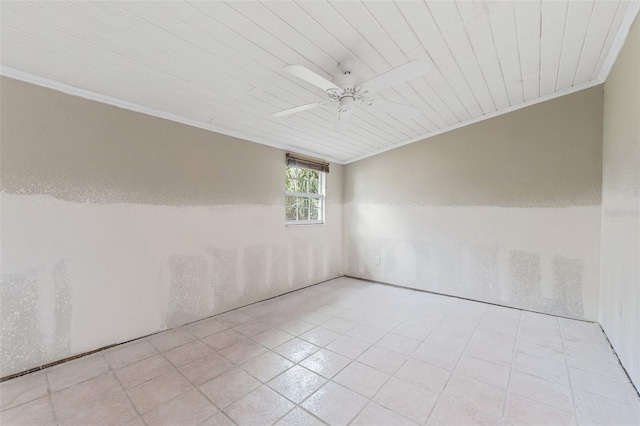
{"x": 320, "y": 196}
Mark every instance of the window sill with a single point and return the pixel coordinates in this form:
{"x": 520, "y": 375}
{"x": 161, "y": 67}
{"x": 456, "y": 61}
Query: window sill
{"x": 300, "y": 223}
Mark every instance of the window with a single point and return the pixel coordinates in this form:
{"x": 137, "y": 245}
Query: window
{"x": 304, "y": 186}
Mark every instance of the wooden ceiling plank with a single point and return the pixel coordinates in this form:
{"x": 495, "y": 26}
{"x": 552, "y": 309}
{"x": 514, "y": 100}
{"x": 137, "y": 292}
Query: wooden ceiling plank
{"x": 455, "y": 36}
{"x": 528, "y": 23}
{"x": 611, "y": 36}
{"x": 505, "y": 36}
{"x": 578, "y": 19}
{"x": 553, "y": 20}
{"x": 478, "y": 29}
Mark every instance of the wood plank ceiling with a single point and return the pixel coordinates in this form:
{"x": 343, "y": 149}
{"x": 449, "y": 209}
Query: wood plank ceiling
{"x": 219, "y": 65}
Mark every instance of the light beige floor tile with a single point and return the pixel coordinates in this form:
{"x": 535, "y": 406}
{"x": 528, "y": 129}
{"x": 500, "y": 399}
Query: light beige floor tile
{"x": 183, "y": 355}
{"x": 141, "y": 371}
{"x": 367, "y": 334}
{"x": 204, "y": 369}
{"x": 76, "y": 371}
{"x": 606, "y": 367}
{"x": 315, "y": 318}
{"x": 376, "y": 415}
{"x": 335, "y": 404}
{"x": 233, "y": 318}
{"x": 593, "y": 409}
{"x": 474, "y": 394}
{"x": 229, "y": 387}
{"x": 23, "y": 389}
{"x": 340, "y": 325}
{"x": 411, "y": 331}
{"x": 171, "y": 339}
{"x": 252, "y": 328}
{"x": 136, "y": 421}
{"x": 266, "y": 366}
{"x": 36, "y": 412}
{"x": 299, "y": 417}
{"x": 158, "y": 391}
{"x": 437, "y": 356}
{"x": 541, "y": 336}
{"x": 66, "y": 401}
{"x": 320, "y": 336}
{"x": 384, "y": 360}
{"x": 243, "y": 351}
{"x": 219, "y": 419}
{"x": 396, "y": 343}
{"x": 447, "y": 341}
{"x": 114, "y": 409}
{"x": 406, "y": 399}
{"x": 261, "y": 407}
{"x": 448, "y": 412}
{"x": 490, "y": 353}
{"x": 348, "y": 346}
{"x": 540, "y": 390}
{"x": 619, "y": 390}
{"x": 484, "y": 371}
{"x": 190, "y": 408}
{"x": 541, "y": 368}
{"x": 599, "y": 349}
{"x": 362, "y": 379}
{"x": 296, "y": 349}
{"x": 521, "y": 411}
{"x": 296, "y": 326}
{"x": 206, "y": 327}
{"x": 493, "y": 338}
{"x": 325, "y": 363}
{"x": 223, "y": 339}
{"x": 425, "y": 375}
{"x": 129, "y": 353}
{"x": 540, "y": 351}
{"x": 273, "y": 338}
{"x": 297, "y": 383}
{"x": 275, "y": 317}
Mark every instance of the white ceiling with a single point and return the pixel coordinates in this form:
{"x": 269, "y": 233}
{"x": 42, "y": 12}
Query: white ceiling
{"x": 218, "y": 65}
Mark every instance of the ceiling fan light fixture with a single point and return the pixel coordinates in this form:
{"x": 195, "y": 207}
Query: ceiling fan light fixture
{"x": 346, "y": 93}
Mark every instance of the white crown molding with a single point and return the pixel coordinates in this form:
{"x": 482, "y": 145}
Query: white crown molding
{"x": 87, "y": 94}
{"x": 497, "y": 113}
{"x": 65, "y": 88}
{"x": 618, "y": 42}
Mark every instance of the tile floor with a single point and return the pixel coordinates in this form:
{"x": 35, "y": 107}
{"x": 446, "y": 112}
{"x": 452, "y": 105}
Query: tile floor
{"x": 342, "y": 352}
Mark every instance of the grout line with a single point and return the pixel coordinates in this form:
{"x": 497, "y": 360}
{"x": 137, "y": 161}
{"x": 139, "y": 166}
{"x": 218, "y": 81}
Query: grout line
{"x": 50, "y": 398}
{"x": 124, "y": 390}
{"x": 564, "y": 355}
{"x": 513, "y": 363}
{"x": 433, "y": 409}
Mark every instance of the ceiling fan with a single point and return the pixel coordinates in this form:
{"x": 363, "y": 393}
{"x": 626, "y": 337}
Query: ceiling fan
{"x": 347, "y": 93}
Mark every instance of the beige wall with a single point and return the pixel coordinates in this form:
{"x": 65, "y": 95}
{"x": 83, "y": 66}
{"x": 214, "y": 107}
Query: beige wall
{"x": 506, "y": 210}
{"x": 116, "y": 225}
{"x": 620, "y": 261}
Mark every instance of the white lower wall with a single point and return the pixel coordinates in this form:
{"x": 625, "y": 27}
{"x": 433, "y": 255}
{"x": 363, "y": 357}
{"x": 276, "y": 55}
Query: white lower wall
{"x": 80, "y": 276}
{"x": 620, "y": 261}
{"x": 542, "y": 259}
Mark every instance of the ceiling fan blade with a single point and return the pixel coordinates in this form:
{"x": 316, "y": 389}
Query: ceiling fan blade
{"x": 296, "y": 109}
{"x": 397, "y": 75}
{"x": 342, "y": 119}
{"x": 397, "y": 110}
{"x": 311, "y": 77}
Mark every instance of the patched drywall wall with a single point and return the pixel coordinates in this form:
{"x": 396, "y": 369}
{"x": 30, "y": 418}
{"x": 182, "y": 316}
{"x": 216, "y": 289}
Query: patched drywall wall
{"x": 620, "y": 253}
{"x": 116, "y": 225}
{"x": 505, "y": 211}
